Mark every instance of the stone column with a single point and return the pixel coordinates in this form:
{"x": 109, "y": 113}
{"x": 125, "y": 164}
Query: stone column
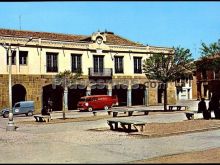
{"x": 129, "y": 96}
{"x": 146, "y": 97}
{"x": 109, "y": 90}
{"x": 88, "y": 91}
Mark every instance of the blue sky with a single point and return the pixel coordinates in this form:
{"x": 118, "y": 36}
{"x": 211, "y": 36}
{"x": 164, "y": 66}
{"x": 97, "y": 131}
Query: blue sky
{"x": 184, "y": 24}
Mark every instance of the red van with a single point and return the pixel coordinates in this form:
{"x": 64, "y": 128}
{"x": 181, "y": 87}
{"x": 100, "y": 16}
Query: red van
{"x": 97, "y": 102}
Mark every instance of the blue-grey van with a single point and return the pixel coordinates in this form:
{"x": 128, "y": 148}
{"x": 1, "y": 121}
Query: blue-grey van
{"x": 22, "y": 107}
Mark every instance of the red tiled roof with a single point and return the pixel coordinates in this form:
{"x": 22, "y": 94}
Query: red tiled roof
{"x": 111, "y": 38}
{"x": 117, "y": 40}
{"x": 43, "y": 35}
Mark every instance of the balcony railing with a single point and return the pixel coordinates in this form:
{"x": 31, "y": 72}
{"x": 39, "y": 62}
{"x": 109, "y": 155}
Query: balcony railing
{"x": 52, "y": 69}
{"x": 101, "y": 72}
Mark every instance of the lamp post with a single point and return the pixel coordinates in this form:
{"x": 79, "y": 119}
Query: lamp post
{"x": 11, "y": 126}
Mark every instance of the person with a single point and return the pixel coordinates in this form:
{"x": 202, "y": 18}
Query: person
{"x": 50, "y": 104}
{"x": 214, "y": 106}
{"x": 44, "y": 111}
{"x": 203, "y": 109}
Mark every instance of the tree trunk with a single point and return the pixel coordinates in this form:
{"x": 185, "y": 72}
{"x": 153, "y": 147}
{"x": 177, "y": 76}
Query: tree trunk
{"x": 165, "y": 96}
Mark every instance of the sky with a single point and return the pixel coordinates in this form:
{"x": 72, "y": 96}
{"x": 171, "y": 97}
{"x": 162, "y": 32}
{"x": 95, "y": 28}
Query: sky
{"x": 183, "y": 24}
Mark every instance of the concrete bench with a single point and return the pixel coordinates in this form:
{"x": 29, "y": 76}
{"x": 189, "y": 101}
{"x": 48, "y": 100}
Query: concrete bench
{"x": 146, "y": 112}
{"x": 195, "y": 115}
{"x": 126, "y": 125}
{"x": 130, "y": 112}
{"x": 178, "y": 107}
{"x": 42, "y": 118}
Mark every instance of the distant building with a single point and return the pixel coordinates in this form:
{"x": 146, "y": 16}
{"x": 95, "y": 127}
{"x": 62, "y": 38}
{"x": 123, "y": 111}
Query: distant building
{"x": 207, "y": 77}
{"x": 110, "y": 64}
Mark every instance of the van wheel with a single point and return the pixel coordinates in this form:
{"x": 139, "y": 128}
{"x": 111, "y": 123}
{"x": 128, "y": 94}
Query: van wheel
{"x": 6, "y": 114}
{"x": 90, "y": 109}
{"x": 29, "y": 113}
{"x": 106, "y": 107}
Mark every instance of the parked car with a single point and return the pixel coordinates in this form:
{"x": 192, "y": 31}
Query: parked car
{"x": 97, "y": 102}
{"x": 22, "y": 107}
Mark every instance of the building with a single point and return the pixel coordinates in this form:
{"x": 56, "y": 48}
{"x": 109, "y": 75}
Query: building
{"x": 110, "y": 64}
{"x": 208, "y": 76}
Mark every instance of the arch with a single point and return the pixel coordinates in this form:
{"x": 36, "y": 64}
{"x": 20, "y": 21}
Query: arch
{"x": 18, "y": 93}
{"x": 138, "y": 94}
{"x": 120, "y": 90}
{"x": 74, "y": 94}
{"x": 56, "y": 96}
{"x": 99, "y": 89}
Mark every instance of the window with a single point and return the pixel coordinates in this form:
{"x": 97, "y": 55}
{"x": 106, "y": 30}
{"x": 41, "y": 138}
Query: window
{"x": 76, "y": 62}
{"x": 52, "y": 62}
{"x": 137, "y": 65}
{"x": 119, "y": 64}
{"x": 13, "y": 58}
{"x": 98, "y": 63}
{"x": 23, "y": 57}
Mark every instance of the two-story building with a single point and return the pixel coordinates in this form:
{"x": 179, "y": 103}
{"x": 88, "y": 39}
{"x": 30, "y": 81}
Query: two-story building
{"x": 208, "y": 76}
{"x": 110, "y": 65}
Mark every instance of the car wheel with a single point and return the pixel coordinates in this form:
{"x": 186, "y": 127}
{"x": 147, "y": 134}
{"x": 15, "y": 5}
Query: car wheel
{"x": 90, "y": 109}
{"x": 29, "y": 114}
{"x": 106, "y": 107}
{"x": 6, "y": 114}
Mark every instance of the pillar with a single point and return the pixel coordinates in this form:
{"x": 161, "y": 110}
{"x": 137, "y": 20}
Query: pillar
{"x": 129, "y": 96}
{"x": 109, "y": 92}
{"x": 88, "y": 91}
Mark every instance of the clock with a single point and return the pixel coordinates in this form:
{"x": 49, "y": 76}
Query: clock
{"x": 99, "y": 40}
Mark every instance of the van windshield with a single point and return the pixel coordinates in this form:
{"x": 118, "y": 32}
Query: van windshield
{"x": 85, "y": 99}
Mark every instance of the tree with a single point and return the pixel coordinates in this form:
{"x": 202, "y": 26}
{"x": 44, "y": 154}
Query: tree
{"x": 66, "y": 79}
{"x": 168, "y": 68}
{"x": 210, "y": 57}
{"x": 211, "y": 49}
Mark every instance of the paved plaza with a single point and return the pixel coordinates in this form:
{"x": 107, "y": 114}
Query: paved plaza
{"x": 86, "y": 142}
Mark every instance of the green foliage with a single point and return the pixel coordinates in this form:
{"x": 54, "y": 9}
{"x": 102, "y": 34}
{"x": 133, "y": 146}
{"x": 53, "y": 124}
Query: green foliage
{"x": 69, "y": 75}
{"x": 211, "y": 49}
{"x": 209, "y": 59}
{"x": 167, "y": 68}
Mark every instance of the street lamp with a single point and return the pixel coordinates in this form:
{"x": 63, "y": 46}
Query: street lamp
{"x": 11, "y": 126}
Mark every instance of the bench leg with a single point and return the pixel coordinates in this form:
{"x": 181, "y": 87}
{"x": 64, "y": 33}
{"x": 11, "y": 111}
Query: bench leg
{"x": 140, "y": 128}
{"x": 109, "y": 112}
{"x": 190, "y": 116}
{"x": 126, "y": 129}
{"x": 115, "y": 114}
{"x": 130, "y": 113}
{"x": 111, "y": 125}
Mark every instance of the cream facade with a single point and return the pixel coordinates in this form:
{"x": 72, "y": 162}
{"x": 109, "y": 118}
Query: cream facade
{"x": 103, "y": 57}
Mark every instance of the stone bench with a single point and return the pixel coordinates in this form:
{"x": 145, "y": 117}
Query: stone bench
{"x": 126, "y": 125}
{"x": 178, "y": 107}
{"x": 195, "y": 115}
{"x": 42, "y": 118}
{"x": 130, "y": 112}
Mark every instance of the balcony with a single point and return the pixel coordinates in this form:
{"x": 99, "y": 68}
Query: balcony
{"x": 101, "y": 72}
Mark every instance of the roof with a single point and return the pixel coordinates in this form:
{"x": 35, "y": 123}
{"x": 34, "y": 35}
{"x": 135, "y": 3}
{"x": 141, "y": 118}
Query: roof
{"x": 91, "y": 96}
{"x": 111, "y": 38}
{"x": 43, "y": 35}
